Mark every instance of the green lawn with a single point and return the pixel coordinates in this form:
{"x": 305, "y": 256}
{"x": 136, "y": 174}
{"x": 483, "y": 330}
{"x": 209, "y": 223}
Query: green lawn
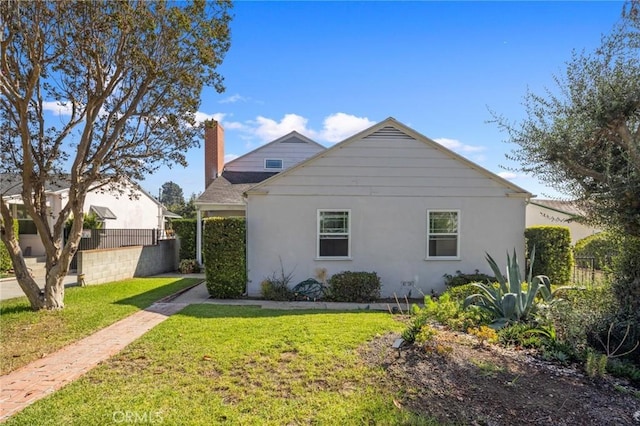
{"x": 27, "y": 335}
{"x": 213, "y": 364}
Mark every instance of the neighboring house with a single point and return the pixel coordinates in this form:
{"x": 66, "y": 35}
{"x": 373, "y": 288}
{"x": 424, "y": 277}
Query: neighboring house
{"x": 556, "y": 212}
{"x": 388, "y": 200}
{"x": 129, "y": 208}
{"x": 225, "y": 184}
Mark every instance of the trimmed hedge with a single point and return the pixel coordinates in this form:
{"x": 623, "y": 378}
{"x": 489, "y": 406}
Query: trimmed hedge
{"x": 554, "y": 257}
{"x": 359, "y": 287}
{"x": 601, "y": 246}
{"x": 225, "y": 262}
{"x": 186, "y": 230}
{"x": 5, "y": 259}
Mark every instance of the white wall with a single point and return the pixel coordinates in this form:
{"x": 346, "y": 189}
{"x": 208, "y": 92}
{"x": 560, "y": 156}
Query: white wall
{"x": 389, "y": 180}
{"x": 388, "y": 236}
{"x": 290, "y": 150}
{"x": 131, "y": 213}
{"x": 537, "y": 216}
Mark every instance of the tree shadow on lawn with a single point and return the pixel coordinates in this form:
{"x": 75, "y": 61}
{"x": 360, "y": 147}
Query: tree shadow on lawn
{"x": 146, "y": 299}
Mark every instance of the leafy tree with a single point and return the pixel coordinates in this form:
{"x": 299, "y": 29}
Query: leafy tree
{"x": 171, "y": 195}
{"x": 129, "y": 75}
{"x": 584, "y": 138}
{"x": 188, "y": 210}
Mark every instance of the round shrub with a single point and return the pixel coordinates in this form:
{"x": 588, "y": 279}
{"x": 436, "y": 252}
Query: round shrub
{"x": 601, "y": 246}
{"x": 358, "y": 287}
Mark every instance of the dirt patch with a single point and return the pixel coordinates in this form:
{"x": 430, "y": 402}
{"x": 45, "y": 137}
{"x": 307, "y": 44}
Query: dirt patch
{"x": 462, "y": 382}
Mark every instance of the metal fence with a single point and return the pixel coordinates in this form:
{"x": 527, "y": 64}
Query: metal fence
{"x": 584, "y": 270}
{"x": 93, "y": 239}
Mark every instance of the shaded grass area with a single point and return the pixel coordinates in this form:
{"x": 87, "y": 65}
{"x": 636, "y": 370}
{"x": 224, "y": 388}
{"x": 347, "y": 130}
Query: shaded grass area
{"x": 27, "y": 335}
{"x": 213, "y": 364}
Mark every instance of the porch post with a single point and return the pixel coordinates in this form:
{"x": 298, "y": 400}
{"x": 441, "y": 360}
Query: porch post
{"x": 199, "y": 236}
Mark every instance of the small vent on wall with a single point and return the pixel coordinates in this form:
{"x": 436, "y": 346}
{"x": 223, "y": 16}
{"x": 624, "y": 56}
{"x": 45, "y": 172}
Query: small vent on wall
{"x": 388, "y": 133}
{"x": 293, "y": 140}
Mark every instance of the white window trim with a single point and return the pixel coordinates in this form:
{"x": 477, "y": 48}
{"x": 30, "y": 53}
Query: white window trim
{"x": 318, "y": 257}
{"x": 428, "y": 234}
{"x": 274, "y": 168}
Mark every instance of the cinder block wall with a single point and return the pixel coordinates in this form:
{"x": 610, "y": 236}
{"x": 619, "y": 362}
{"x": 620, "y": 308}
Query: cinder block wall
{"x": 106, "y": 265}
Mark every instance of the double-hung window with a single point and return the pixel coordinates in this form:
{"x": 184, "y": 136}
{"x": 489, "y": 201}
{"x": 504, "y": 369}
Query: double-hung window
{"x": 443, "y": 234}
{"x": 334, "y": 235}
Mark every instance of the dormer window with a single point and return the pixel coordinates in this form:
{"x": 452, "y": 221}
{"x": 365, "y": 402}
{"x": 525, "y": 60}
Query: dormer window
{"x": 273, "y": 164}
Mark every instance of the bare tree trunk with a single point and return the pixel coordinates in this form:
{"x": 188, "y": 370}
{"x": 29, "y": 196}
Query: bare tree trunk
{"x": 23, "y": 275}
{"x": 54, "y": 283}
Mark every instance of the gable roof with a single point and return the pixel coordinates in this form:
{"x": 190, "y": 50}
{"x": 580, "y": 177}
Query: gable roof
{"x": 11, "y": 184}
{"x": 228, "y": 188}
{"x": 391, "y": 125}
{"x": 570, "y": 208}
{"x": 290, "y": 135}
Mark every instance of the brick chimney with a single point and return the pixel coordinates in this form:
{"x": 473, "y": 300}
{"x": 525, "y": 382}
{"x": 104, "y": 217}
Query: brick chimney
{"x": 213, "y": 151}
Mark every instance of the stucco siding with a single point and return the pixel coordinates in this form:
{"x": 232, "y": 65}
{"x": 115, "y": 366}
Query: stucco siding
{"x": 538, "y": 215}
{"x": 291, "y": 151}
{"x": 140, "y": 213}
{"x": 388, "y": 236}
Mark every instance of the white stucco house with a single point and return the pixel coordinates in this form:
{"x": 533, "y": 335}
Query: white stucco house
{"x": 389, "y": 200}
{"x": 130, "y": 207}
{"x": 225, "y": 184}
{"x": 559, "y": 213}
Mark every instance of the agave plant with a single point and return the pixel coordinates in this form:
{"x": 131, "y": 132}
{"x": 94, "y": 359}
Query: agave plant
{"x": 511, "y": 301}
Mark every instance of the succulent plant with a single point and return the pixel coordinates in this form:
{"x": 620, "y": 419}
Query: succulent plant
{"x": 514, "y": 299}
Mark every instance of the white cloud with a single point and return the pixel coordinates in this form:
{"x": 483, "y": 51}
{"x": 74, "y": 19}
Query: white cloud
{"x": 233, "y": 99}
{"x": 230, "y": 157}
{"x": 57, "y": 107}
{"x": 340, "y": 126}
{"x": 268, "y": 129}
{"x": 201, "y": 116}
{"x": 335, "y": 127}
{"x": 457, "y": 146}
{"x": 509, "y": 175}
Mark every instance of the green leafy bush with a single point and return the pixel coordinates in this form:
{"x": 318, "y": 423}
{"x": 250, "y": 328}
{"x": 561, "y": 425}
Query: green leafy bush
{"x": 447, "y": 311}
{"x": 623, "y": 368}
{"x": 460, "y": 293}
{"x": 185, "y": 229}
{"x": 461, "y": 279}
{"x": 519, "y": 335}
{"x": 359, "y": 287}
{"x": 578, "y": 315}
{"x": 554, "y": 257}
{"x": 626, "y": 274}
{"x": 5, "y": 260}
{"x": 188, "y": 266}
{"x": 224, "y": 256}
{"x": 602, "y": 246}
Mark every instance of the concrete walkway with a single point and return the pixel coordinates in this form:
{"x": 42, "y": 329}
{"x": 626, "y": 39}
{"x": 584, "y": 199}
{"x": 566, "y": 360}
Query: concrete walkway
{"x": 34, "y": 381}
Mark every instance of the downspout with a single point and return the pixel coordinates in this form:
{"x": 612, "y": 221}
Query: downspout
{"x": 246, "y": 244}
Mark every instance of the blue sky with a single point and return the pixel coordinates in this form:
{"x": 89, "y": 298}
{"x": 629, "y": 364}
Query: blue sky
{"x": 330, "y": 69}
